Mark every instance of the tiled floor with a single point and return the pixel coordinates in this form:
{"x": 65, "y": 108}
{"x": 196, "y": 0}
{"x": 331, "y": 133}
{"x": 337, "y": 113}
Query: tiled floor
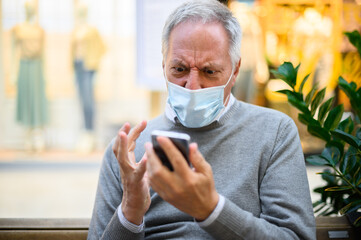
{"x": 58, "y": 184}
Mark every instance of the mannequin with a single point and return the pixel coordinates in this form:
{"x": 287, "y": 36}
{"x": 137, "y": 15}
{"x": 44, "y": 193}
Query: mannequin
{"x": 311, "y": 45}
{"x": 254, "y": 70}
{"x": 87, "y": 50}
{"x": 31, "y": 108}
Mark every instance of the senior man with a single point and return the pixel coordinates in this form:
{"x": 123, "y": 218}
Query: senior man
{"x": 248, "y": 177}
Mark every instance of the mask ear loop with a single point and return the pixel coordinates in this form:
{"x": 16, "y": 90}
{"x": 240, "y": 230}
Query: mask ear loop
{"x": 229, "y": 95}
{"x": 165, "y": 74}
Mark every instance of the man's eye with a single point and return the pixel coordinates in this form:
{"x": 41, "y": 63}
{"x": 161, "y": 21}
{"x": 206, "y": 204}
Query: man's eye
{"x": 179, "y": 69}
{"x": 209, "y": 71}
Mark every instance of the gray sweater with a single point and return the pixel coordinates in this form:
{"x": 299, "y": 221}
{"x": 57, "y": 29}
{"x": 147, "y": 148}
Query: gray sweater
{"x": 258, "y": 166}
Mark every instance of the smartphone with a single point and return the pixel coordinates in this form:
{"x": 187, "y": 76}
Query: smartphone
{"x": 180, "y": 140}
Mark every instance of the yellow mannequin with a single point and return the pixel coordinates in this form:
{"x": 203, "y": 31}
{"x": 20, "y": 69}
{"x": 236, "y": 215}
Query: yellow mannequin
{"x": 87, "y": 44}
{"x": 87, "y": 49}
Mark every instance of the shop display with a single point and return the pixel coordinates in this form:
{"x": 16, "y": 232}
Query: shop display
{"x": 87, "y": 51}
{"x": 31, "y": 106}
{"x": 254, "y": 70}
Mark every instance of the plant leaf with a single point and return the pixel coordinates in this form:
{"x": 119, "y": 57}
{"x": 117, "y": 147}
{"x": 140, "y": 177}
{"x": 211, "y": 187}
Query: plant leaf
{"x": 298, "y": 96}
{"x": 352, "y": 94}
{"x": 357, "y": 222}
{"x": 334, "y": 117}
{"x": 356, "y": 175}
{"x": 350, "y": 162}
{"x": 329, "y": 176}
{"x": 317, "y": 100}
{"x": 310, "y": 95}
{"x": 287, "y": 73}
{"x": 338, "y": 188}
{"x": 338, "y": 145}
{"x": 355, "y": 39}
{"x": 284, "y": 91}
{"x": 358, "y": 181}
{"x": 287, "y": 70}
{"x": 295, "y": 99}
{"x": 351, "y": 207}
{"x": 296, "y": 68}
{"x": 308, "y": 120}
{"x": 325, "y": 107}
{"x": 346, "y": 125}
{"x": 317, "y": 208}
{"x": 300, "y": 89}
{"x": 353, "y": 141}
{"x": 346, "y": 163}
{"x": 317, "y": 203}
{"x": 331, "y": 154}
{"x": 319, "y": 132}
{"x": 317, "y": 160}
{"x": 347, "y": 88}
{"x": 358, "y": 133}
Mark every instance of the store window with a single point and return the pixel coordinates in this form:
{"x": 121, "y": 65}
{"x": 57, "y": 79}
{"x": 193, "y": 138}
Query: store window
{"x": 67, "y": 83}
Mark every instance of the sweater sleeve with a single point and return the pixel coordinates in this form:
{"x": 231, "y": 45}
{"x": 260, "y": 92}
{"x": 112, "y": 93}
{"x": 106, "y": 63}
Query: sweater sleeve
{"x": 286, "y": 209}
{"x": 105, "y": 223}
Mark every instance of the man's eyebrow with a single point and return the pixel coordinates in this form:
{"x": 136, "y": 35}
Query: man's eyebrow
{"x": 177, "y": 61}
{"x": 206, "y": 65}
{"x": 213, "y": 65}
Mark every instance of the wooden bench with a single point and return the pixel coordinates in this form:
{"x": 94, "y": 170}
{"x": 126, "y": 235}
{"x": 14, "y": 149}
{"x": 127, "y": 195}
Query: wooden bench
{"x": 335, "y": 228}
{"x": 43, "y": 229}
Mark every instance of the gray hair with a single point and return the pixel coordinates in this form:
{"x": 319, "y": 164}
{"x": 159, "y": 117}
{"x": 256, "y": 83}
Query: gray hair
{"x": 205, "y": 11}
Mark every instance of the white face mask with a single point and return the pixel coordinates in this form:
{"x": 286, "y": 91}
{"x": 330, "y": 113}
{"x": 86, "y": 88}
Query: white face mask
{"x": 196, "y": 108}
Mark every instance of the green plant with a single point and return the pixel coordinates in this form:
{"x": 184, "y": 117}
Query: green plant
{"x": 342, "y": 152}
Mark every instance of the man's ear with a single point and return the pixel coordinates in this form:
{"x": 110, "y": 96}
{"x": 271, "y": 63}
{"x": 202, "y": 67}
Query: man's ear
{"x": 163, "y": 67}
{"x": 236, "y": 71}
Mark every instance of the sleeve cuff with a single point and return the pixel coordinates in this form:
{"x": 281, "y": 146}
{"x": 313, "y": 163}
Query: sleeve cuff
{"x": 128, "y": 225}
{"x": 214, "y": 215}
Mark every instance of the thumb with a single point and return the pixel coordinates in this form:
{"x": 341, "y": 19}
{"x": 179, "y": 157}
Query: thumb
{"x": 196, "y": 158}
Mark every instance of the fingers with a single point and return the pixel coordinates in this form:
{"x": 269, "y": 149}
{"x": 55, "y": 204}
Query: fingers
{"x": 153, "y": 163}
{"x": 158, "y": 174}
{"x": 123, "y": 160}
{"x": 125, "y": 128}
{"x": 174, "y": 155}
{"x": 134, "y": 134}
{"x": 125, "y": 143}
{"x": 197, "y": 160}
{"x": 142, "y": 167}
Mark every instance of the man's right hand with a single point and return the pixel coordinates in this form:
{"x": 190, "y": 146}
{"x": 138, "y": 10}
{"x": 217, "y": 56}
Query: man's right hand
{"x": 136, "y": 196}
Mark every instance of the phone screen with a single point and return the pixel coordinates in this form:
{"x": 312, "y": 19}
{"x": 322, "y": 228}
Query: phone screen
{"x": 180, "y": 140}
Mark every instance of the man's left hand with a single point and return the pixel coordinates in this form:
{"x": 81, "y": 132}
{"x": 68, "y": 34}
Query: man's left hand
{"x": 190, "y": 190}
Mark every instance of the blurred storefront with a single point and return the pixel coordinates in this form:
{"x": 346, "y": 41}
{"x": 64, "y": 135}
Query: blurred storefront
{"x": 117, "y": 98}
{"x": 309, "y": 32}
